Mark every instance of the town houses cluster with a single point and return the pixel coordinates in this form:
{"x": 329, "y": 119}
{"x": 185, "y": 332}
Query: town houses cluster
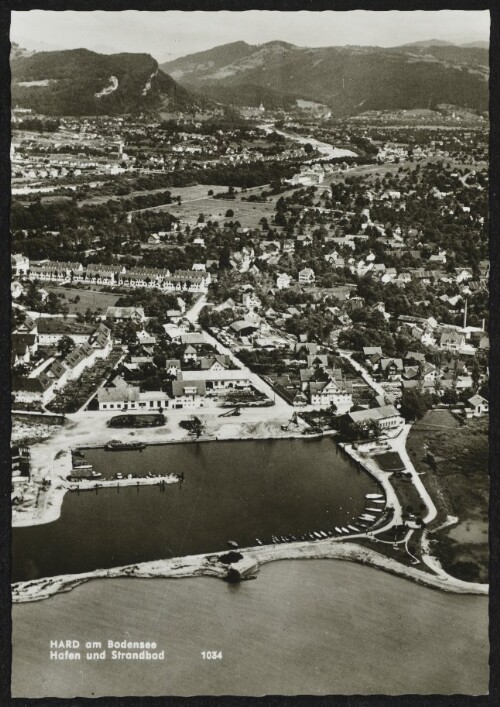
{"x": 112, "y": 275}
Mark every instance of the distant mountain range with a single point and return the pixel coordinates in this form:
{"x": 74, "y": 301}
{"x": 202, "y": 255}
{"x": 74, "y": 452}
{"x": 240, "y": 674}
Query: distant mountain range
{"x": 81, "y": 82}
{"x": 349, "y": 79}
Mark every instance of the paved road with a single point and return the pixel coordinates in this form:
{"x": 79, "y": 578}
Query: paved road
{"x": 193, "y": 313}
{"x": 363, "y": 372}
{"x": 399, "y": 445}
{"x": 280, "y": 405}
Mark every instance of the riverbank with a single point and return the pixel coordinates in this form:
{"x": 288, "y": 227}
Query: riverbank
{"x": 248, "y": 566}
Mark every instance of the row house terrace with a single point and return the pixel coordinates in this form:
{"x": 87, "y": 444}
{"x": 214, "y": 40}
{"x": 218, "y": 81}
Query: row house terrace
{"x": 99, "y": 274}
{"x": 54, "y": 271}
{"x": 152, "y": 278}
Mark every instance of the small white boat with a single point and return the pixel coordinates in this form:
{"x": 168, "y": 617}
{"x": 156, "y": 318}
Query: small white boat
{"x": 232, "y": 543}
{"x": 353, "y": 527}
{"x": 338, "y": 529}
{"x": 374, "y": 495}
{"x": 119, "y": 476}
{"x": 317, "y": 535}
{"x": 323, "y": 534}
{"x": 378, "y": 500}
{"x": 374, "y": 510}
{"x": 344, "y": 530}
{"x": 258, "y": 541}
{"x": 367, "y": 516}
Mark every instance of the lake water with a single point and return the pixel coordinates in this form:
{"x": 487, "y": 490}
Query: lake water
{"x": 231, "y": 491}
{"x": 303, "y": 627}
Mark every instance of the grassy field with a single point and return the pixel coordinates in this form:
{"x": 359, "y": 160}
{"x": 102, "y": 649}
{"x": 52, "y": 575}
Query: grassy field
{"x": 89, "y": 299}
{"x": 459, "y": 484}
{"x": 247, "y": 213}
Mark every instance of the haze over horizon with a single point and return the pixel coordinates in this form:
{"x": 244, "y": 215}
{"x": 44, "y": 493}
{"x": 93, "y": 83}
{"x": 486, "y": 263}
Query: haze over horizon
{"x": 171, "y": 34}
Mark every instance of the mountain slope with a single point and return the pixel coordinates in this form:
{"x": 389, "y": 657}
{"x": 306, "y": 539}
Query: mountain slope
{"x": 349, "y": 79}
{"x": 81, "y": 82}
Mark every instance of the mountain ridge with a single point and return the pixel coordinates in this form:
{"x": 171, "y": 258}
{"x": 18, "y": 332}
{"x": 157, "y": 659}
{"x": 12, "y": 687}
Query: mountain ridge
{"x": 83, "y": 82}
{"x": 347, "y": 78}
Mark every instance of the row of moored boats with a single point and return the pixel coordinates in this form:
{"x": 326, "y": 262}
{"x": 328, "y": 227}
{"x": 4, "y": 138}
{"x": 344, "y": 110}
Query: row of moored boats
{"x": 369, "y": 515}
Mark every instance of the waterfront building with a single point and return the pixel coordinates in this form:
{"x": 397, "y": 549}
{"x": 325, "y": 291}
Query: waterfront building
{"x": 120, "y": 395}
{"x": 386, "y": 416}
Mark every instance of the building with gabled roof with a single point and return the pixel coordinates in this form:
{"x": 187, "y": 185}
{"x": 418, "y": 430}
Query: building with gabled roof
{"x": 386, "y": 416}
{"x": 306, "y": 276}
{"x": 188, "y": 393}
{"x": 120, "y": 395}
{"x": 478, "y": 406}
{"x": 123, "y": 314}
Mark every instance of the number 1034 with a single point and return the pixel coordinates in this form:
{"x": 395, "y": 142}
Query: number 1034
{"x": 211, "y": 655}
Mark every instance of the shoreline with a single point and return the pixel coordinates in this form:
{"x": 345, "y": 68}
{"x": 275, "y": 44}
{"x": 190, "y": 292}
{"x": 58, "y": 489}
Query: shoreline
{"x": 248, "y": 566}
{"x": 49, "y": 510}
{"x": 51, "y": 458}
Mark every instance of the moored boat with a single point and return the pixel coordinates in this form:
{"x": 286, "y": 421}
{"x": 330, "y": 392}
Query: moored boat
{"x": 116, "y": 445}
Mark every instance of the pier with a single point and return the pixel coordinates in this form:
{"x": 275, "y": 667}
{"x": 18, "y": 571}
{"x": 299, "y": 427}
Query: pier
{"x": 93, "y": 484}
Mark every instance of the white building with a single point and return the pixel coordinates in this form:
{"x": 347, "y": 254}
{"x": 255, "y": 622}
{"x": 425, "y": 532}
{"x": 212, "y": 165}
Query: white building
{"x": 283, "y": 281}
{"x": 122, "y": 396}
{"x": 306, "y": 276}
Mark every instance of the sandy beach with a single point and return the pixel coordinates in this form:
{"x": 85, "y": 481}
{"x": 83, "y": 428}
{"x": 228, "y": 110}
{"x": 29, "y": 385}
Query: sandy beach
{"x": 311, "y": 627}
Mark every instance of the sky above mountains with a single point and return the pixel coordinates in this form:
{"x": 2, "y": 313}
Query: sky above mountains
{"x": 171, "y": 34}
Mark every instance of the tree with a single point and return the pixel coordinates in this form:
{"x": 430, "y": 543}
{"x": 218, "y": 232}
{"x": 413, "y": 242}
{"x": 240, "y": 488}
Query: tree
{"x": 475, "y": 374}
{"x": 229, "y": 213}
{"x": 65, "y": 345}
{"x": 225, "y": 257}
{"x": 128, "y": 333}
{"x": 233, "y": 575}
{"x": 414, "y": 404}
